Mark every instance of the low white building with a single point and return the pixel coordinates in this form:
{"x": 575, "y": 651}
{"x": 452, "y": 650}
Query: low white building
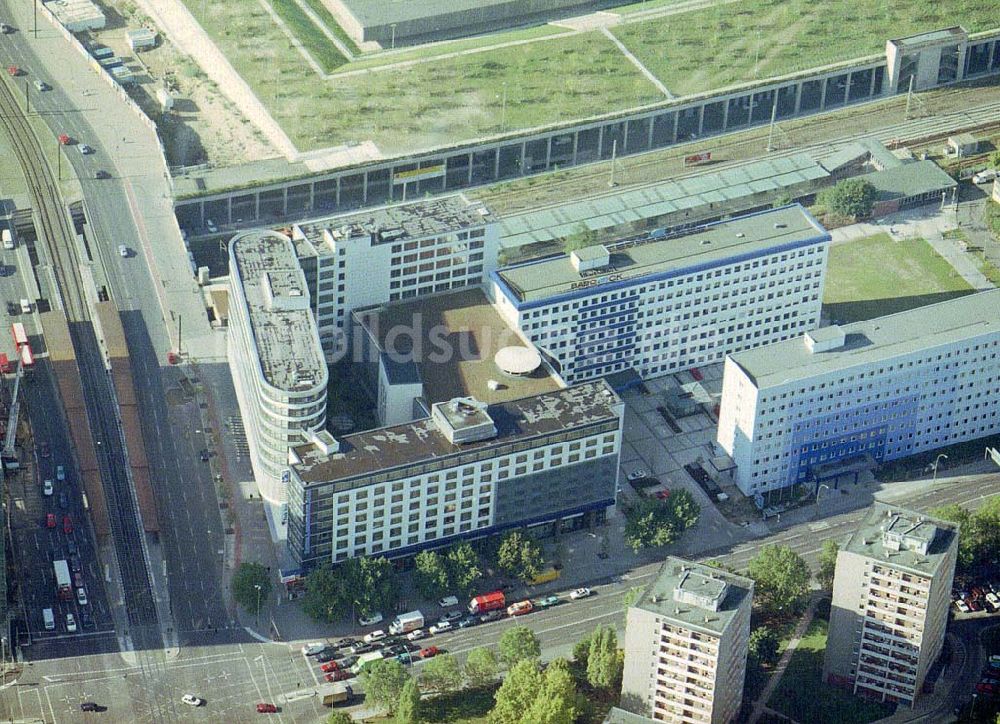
{"x": 274, "y": 354}
{"x": 392, "y": 253}
{"x": 888, "y": 388}
{"x": 659, "y": 302}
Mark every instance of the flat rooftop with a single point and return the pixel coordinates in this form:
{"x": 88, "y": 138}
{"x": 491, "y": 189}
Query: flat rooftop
{"x": 278, "y": 304}
{"x": 552, "y": 278}
{"x": 697, "y": 191}
{"x": 386, "y": 12}
{"x": 869, "y": 539}
{"x": 909, "y": 179}
{"x": 700, "y": 579}
{"x": 399, "y": 222}
{"x": 473, "y": 331}
{"x": 378, "y": 451}
{"x": 874, "y": 340}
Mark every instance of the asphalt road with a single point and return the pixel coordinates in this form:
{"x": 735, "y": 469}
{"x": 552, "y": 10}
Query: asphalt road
{"x": 192, "y": 532}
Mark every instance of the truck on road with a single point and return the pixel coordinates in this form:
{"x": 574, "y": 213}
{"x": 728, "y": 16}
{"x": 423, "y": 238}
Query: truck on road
{"x": 487, "y": 602}
{"x": 406, "y": 622}
{"x": 64, "y": 586}
{"x": 364, "y": 660}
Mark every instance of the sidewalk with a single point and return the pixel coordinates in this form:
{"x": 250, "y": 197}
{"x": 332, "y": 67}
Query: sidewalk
{"x": 779, "y": 669}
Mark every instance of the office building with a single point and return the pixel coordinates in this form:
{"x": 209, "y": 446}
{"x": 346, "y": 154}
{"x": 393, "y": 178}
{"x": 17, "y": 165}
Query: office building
{"x": 800, "y": 410}
{"x": 390, "y": 253}
{"x": 467, "y": 471}
{"x": 658, "y": 303}
{"x": 686, "y": 643}
{"x": 891, "y": 593}
{"x": 274, "y": 353}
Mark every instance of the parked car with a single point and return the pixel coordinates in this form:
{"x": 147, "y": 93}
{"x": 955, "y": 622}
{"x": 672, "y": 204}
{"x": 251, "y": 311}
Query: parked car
{"x": 452, "y": 616}
{"x": 374, "y": 636}
{"x": 70, "y": 623}
{"x": 41, "y": 86}
{"x": 580, "y": 593}
{"x": 547, "y": 601}
{"x": 962, "y": 606}
{"x": 314, "y": 648}
{"x": 370, "y": 620}
{"x": 265, "y": 708}
{"x": 85, "y": 149}
{"x": 81, "y": 596}
{"x": 75, "y": 564}
{"x": 210, "y": 225}
{"x": 637, "y": 475}
{"x": 101, "y": 174}
{"x": 47, "y": 488}
{"x": 339, "y": 675}
{"x": 362, "y": 648}
{"x": 50, "y": 520}
{"x": 192, "y": 700}
{"x": 448, "y": 601}
{"x": 491, "y": 616}
{"x": 329, "y": 666}
{"x": 348, "y": 661}
{"x": 440, "y": 627}
{"x": 429, "y": 652}
{"x": 67, "y": 525}
{"x": 325, "y": 656}
{"x": 468, "y": 621}
{"x": 63, "y": 500}
{"x": 91, "y": 706}
{"x": 416, "y": 635}
{"x": 78, "y": 580}
{"x": 662, "y": 494}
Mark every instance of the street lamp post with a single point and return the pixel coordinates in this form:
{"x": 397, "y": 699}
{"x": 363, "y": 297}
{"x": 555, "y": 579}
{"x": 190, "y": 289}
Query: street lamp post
{"x": 257, "y": 616}
{"x": 937, "y": 461}
{"x": 820, "y": 490}
{"x": 392, "y": 43}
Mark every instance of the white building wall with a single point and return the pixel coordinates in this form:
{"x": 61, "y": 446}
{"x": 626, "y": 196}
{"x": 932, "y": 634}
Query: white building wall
{"x": 889, "y": 409}
{"x": 659, "y": 326}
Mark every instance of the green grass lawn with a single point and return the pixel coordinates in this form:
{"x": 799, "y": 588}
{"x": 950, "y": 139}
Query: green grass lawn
{"x": 319, "y": 46}
{"x": 802, "y": 696}
{"x": 878, "y": 275}
{"x": 469, "y": 706}
{"x": 736, "y": 43}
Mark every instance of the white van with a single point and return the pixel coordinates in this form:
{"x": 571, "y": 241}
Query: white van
{"x": 25, "y": 306}
{"x": 49, "y": 618}
{"x": 981, "y": 177}
{"x": 8, "y": 239}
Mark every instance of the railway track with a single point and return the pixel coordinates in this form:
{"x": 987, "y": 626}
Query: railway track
{"x": 58, "y": 238}
{"x": 979, "y": 109}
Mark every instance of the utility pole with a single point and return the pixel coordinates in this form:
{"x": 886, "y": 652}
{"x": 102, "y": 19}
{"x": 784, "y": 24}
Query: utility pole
{"x": 503, "y": 109}
{"x": 179, "y": 320}
{"x": 770, "y": 130}
{"x": 27, "y": 100}
{"x": 35, "y": 8}
{"x": 909, "y": 96}
{"x": 614, "y": 156}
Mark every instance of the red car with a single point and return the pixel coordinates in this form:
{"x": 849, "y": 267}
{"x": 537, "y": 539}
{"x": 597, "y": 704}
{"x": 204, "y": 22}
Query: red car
{"x": 429, "y": 652}
{"x": 662, "y": 494}
{"x": 14, "y": 70}
{"x": 263, "y": 708}
{"x": 67, "y": 524}
{"x": 64, "y": 139}
{"x": 329, "y": 666}
{"x": 50, "y": 520}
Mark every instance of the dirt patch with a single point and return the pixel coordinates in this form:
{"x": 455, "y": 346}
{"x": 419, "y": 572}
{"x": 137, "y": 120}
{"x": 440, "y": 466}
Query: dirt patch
{"x": 203, "y": 126}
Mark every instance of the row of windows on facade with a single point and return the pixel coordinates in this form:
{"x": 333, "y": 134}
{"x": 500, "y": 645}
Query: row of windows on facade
{"x": 684, "y": 282}
{"x": 484, "y": 461}
{"x": 444, "y": 239}
{"x": 960, "y": 355}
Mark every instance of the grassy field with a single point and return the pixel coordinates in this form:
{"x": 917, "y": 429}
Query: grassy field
{"x": 878, "y": 275}
{"x": 802, "y": 695}
{"x": 555, "y": 76}
{"x": 735, "y": 43}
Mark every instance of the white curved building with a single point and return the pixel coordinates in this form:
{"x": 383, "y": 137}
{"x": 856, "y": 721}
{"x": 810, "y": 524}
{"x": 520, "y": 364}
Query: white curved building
{"x": 274, "y": 352}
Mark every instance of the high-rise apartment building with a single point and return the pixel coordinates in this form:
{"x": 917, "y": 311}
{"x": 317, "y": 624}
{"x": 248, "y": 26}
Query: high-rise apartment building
{"x": 891, "y": 593}
{"x": 686, "y": 643}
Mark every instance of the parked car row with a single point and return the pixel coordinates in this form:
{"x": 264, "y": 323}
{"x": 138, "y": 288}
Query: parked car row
{"x": 988, "y": 685}
{"x": 977, "y": 595}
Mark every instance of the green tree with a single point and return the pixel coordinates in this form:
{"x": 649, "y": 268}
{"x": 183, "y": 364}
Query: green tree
{"x": 555, "y": 700}
{"x": 581, "y": 238}
{"x": 995, "y": 159}
{"x": 462, "y": 564}
{"x": 430, "y": 575}
{"x": 517, "y": 693}
{"x": 763, "y": 645}
{"x": 969, "y": 543}
{"x": 781, "y": 578}
{"x": 853, "y": 197}
{"x": 408, "y": 711}
{"x": 441, "y": 675}
{"x": 372, "y": 583}
{"x": 481, "y": 667}
{"x": 602, "y": 660}
{"x": 518, "y": 643}
{"x": 383, "y": 682}
{"x": 338, "y": 717}
{"x": 652, "y": 522}
{"x": 581, "y": 649}
{"x": 519, "y": 556}
{"x": 326, "y": 597}
{"x": 827, "y": 564}
{"x": 247, "y": 578}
